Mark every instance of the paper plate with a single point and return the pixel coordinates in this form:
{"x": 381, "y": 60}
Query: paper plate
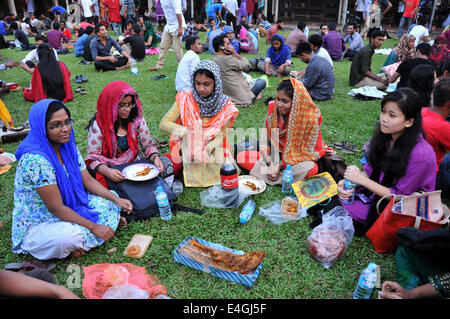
{"x": 130, "y": 172}
{"x": 252, "y": 179}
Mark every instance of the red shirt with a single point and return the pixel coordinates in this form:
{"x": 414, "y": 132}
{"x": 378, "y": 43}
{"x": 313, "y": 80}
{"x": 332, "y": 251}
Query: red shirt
{"x": 437, "y": 133}
{"x": 410, "y": 5}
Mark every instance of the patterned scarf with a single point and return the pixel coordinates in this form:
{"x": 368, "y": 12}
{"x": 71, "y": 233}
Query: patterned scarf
{"x": 299, "y": 139}
{"x": 214, "y": 103}
{"x": 439, "y": 51}
{"x": 402, "y": 50}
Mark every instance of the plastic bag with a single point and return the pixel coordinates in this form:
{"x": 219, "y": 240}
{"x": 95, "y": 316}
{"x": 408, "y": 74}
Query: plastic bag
{"x": 216, "y": 197}
{"x": 329, "y": 241}
{"x": 99, "y": 278}
{"x": 272, "y": 211}
{"x": 125, "y": 291}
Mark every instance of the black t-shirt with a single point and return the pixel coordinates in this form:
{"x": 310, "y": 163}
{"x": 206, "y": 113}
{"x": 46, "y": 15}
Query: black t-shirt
{"x": 136, "y": 41}
{"x": 405, "y": 68}
{"x": 87, "y": 49}
{"x": 22, "y": 37}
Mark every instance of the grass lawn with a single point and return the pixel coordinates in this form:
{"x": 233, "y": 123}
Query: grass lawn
{"x": 288, "y": 270}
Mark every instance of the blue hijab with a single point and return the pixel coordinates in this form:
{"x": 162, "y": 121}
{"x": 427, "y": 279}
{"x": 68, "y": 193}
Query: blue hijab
{"x": 71, "y": 187}
{"x": 280, "y": 57}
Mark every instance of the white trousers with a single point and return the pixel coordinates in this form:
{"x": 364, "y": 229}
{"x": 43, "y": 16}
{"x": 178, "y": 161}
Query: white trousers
{"x": 53, "y": 241}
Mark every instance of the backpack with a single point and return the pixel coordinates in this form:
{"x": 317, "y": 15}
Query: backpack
{"x": 142, "y": 195}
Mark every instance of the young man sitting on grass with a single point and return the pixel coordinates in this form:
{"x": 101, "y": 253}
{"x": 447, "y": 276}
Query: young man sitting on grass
{"x": 101, "y": 47}
{"x": 319, "y": 77}
{"x": 360, "y": 71}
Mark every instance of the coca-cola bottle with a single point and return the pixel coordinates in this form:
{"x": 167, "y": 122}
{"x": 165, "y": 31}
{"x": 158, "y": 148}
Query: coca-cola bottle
{"x": 230, "y": 184}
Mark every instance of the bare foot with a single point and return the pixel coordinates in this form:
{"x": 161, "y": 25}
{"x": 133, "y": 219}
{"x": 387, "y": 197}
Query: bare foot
{"x": 123, "y": 222}
{"x": 154, "y": 68}
{"x": 78, "y": 253}
{"x": 259, "y": 97}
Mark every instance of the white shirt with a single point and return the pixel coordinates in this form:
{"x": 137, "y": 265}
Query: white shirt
{"x": 231, "y": 5}
{"x": 86, "y": 4}
{"x": 360, "y": 5}
{"x": 324, "y": 54}
{"x": 183, "y": 77}
{"x": 25, "y": 27}
{"x": 419, "y": 31}
{"x": 96, "y": 9}
{"x": 171, "y": 8}
{"x": 33, "y": 56}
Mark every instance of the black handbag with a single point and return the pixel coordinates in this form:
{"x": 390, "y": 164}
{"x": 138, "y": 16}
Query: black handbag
{"x": 142, "y": 195}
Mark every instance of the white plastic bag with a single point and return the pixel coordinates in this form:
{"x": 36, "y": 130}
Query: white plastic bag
{"x": 125, "y": 291}
{"x": 329, "y": 241}
{"x": 272, "y": 211}
{"x": 216, "y": 197}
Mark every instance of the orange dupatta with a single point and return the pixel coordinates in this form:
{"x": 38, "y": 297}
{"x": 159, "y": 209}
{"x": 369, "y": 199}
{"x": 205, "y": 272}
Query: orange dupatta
{"x": 300, "y": 139}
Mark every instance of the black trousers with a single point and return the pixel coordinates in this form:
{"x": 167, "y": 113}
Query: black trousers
{"x": 110, "y": 66}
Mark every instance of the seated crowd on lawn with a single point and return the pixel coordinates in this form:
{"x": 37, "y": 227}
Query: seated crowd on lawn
{"x": 67, "y": 196}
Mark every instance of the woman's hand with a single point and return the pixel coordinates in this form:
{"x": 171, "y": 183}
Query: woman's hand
{"x": 157, "y": 161}
{"x": 274, "y": 171}
{"x": 104, "y": 232}
{"x": 114, "y": 175}
{"x": 392, "y": 290}
{"x": 343, "y": 194}
{"x": 354, "y": 175}
{"x": 125, "y": 204}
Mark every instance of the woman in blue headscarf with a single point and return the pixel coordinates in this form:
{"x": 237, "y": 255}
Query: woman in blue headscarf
{"x": 278, "y": 58}
{"x": 59, "y": 209}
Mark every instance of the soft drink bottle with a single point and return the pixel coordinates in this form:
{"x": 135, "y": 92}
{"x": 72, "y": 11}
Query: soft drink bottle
{"x": 163, "y": 204}
{"x": 230, "y": 183}
{"x": 366, "y": 282}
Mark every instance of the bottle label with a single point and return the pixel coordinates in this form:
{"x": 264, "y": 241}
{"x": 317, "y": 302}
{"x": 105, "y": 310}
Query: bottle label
{"x": 230, "y": 181}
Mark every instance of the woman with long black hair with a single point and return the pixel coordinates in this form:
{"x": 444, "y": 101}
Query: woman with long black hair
{"x": 422, "y": 79}
{"x": 400, "y": 161}
{"x": 51, "y": 78}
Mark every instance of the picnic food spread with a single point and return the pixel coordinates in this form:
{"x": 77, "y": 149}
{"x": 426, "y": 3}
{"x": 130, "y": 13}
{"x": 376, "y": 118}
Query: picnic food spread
{"x": 133, "y": 250}
{"x": 228, "y": 260}
{"x": 144, "y": 172}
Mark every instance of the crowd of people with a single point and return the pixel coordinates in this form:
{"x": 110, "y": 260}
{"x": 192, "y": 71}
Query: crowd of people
{"x": 66, "y": 197}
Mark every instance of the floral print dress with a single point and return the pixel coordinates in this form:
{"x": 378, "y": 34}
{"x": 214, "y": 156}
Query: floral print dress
{"x": 35, "y": 171}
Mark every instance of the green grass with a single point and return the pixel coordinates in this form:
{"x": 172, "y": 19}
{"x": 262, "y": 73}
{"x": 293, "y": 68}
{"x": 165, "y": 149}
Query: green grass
{"x": 288, "y": 270}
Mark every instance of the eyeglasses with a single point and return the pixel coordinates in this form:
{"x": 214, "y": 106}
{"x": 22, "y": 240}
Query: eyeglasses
{"x": 126, "y": 106}
{"x": 59, "y": 125}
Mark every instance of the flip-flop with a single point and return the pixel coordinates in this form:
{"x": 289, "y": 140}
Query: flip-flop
{"x": 78, "y": 89}
{"x": 83, "y": 92}
{"x": 159, "y": 77}
{"x": 29, "y": 265}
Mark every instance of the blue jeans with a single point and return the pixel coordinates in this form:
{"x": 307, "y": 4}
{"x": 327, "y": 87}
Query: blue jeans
{"x": 260, "y": 85}
{"x": 404, "y": 20}
{"x": 117, "y": 25}
{"x": 443, "y": 176}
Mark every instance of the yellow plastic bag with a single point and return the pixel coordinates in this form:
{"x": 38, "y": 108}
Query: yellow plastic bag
{"x": 315, "y": 189}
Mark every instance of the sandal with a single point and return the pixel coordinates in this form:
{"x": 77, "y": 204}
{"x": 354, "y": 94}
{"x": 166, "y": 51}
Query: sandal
{"x": 78, "y": 89}
{"x": 159, "y": 77}
{"x": 29, "y": 265}
{"x": 83, "y": 92}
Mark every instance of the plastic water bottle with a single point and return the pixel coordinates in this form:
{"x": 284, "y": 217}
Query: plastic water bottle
{"x": 163, "y": 204}
{"x": 347, "y": 187}
{"x": 247, "y": 211}
{"x": 366, "y": 282}
{"x": 287, "y": 180}
{"x": 177, "y": 187}
{"x": 134, "y": 67}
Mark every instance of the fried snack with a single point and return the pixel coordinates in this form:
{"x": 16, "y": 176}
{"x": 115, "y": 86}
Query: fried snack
{"x": 327, "y": 245}
{"x": 144, "y": 172}
{"x": 133, "y": 251}
{"x": 252, "y": 186}
{"x": 242, "y": 264}
{"x": 291, "y": 208}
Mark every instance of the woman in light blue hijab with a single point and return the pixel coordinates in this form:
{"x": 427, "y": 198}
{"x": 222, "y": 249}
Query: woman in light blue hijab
{"x": 59, "y": 209}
